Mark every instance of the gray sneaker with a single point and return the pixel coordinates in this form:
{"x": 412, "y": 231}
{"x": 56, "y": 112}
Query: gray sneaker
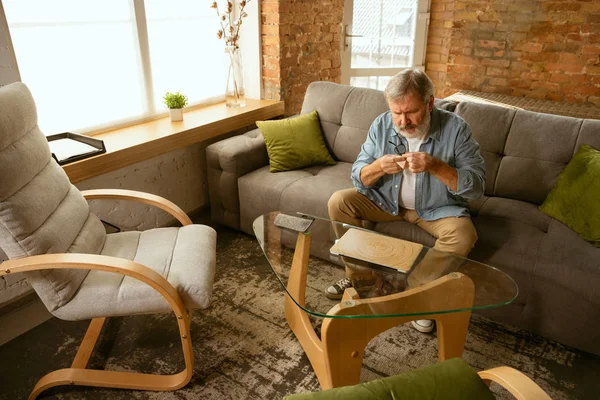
{"x": 423, "y": 325}
{"x": 336, "y": 291}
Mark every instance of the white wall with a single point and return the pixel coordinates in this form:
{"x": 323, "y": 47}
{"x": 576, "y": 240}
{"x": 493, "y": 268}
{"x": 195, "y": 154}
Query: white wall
{"x": 8, "y": 65}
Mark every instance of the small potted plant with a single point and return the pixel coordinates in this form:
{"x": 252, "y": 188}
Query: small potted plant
{"x": 175, "y": 102}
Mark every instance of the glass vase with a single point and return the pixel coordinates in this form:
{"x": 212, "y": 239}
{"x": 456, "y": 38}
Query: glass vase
{"x": 234, "y": 75}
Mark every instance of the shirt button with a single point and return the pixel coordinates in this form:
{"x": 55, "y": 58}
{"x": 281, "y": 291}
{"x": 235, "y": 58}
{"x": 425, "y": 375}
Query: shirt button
{"x": 396, "y": 186}
{"x": 380, "y": 204}
{"x": 396, "y": 201}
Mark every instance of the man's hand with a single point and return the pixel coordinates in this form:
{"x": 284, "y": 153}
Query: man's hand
{"x": 425, "y": 162}
{"x": 392, "y": 164}
{"x": 421, "y": 162}
{"x": 388, "y": 164}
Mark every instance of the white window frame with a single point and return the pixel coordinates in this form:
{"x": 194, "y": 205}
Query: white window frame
{"x": 249, "y": 44}
{"x": 418, "y": 58}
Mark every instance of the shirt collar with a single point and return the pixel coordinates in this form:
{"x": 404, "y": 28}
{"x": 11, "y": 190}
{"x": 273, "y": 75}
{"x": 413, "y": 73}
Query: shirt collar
{"x": 435, "y": 128}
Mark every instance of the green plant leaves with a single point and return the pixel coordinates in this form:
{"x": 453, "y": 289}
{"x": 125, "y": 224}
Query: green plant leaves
{"x": 175, "y": 100}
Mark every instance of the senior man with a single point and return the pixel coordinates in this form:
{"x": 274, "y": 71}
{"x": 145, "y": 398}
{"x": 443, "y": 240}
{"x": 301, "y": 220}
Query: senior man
{"x": 418, "y": 164}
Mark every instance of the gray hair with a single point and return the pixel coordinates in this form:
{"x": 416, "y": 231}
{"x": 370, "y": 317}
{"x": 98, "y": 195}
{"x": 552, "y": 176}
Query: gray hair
{"x": 407, "y": 81}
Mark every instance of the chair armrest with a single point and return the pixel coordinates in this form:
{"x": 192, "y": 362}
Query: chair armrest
{"x": 517, "y": 383}
{"x": 141, "y": 197}
{"x": 227, "y": 160}
{"x": 98, "y": 263}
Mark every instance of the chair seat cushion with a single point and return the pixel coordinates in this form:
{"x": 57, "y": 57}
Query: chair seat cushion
{"x": 450, "y": 379}
{"x": 185, "y": 256}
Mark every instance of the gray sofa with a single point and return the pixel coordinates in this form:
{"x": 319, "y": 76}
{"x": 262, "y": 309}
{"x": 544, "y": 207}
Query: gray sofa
{"x": 558, "y": 273}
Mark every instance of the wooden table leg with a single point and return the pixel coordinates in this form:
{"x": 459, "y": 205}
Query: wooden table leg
{"x": 337, "y": 357}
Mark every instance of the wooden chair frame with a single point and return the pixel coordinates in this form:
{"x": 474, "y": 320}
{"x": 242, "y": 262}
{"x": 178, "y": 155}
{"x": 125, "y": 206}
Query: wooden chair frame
{"x": 516, "y": 382}
{"x": 78, "y": 374}
{"x": 337, "y": 357}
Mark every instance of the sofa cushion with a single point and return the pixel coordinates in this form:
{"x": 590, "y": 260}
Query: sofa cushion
{"x": 295, "y": 142}
{"x": 450, "y": 379}
{"x": 537, "y": 149}
{"x": 491, "y": 137}
{"x": 575, "y": 198}
{"x": 306, "y": 190}
{"x": 515, "y": 210}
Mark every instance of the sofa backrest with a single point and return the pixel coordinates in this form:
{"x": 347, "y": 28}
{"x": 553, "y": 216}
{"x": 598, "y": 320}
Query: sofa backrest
{"x": 346, "y": 113}
{"x": 525, "y": 151}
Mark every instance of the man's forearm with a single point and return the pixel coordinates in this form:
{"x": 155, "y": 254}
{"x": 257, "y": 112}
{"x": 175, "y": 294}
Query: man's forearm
{"x": 371, "y": 173}
{"x": 446, "y": 174}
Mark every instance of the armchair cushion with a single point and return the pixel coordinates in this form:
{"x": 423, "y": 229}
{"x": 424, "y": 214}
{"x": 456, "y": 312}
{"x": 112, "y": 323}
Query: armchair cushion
{"x": 184, "y": 256}
{"x": 295, "y": 143}
{"x": 450, "y": 379}
{"x": 40, "y": 210}
{"x": 575, "y": 197}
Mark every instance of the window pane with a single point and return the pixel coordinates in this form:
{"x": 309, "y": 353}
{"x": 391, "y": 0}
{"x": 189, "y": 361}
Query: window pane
{"x": 388, "y": 33}
{"x": 184, "y": 50}
{"x": 80, "y": 60}
{"x": 371, "y": 82}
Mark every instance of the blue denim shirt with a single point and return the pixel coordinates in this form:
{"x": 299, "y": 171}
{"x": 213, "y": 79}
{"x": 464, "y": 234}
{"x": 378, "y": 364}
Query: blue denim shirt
{"x": 449, "y": 140}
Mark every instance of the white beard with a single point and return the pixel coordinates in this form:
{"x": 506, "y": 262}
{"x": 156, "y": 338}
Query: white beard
{"x": 421, "y": 130}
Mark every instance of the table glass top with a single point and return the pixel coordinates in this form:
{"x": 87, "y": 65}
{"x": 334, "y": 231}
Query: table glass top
{"x": 381, "y": 267}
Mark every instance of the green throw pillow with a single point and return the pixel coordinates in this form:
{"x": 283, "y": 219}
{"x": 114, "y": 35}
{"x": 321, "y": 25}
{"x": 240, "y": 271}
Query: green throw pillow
{"x": 575, "y": 199}
{"x": 295, "y": 143}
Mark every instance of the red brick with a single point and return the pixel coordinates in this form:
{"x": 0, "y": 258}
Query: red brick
{"x": 534, "y": 76}
{"x": 498, "y": 81}
{"x": 553, "y": 87}
{"x": 558, "y": 7}
{"x": 269, "y": 30}
{"x": 491, "y": 44}
{"x": 437, "y": 67}
{"x": 466, "y": 60}
{"x": 529, "y": 47}
{"x": 458, "y": 68}
{"x": 557, "y": 67}
{"x": 502, "y": 63}
{"x": 586, "y": 90}
{"x": 560, "y": 78}
{"x": 591, "y": 49}
{"x": 554, "y": 96}
{"x": 590, "y": 28}
{"x": 594, "y": 100}
{"x": 568, "y": 58}
{"x": 493, "y": 71}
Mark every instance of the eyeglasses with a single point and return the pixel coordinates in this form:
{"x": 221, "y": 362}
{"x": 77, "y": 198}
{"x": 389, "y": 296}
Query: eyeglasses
{"x": 399, "y": 149}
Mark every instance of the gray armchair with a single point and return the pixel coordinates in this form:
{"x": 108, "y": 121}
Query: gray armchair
{"x": 79, "y": 272}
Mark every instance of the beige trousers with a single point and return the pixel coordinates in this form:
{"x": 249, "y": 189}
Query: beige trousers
{"x": 456, "y": 235}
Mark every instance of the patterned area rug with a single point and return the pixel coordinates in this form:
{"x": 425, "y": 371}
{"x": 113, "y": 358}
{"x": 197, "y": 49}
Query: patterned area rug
{"x": 244, "y": 350}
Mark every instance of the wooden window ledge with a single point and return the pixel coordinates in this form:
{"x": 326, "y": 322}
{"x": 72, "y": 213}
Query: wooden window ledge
{"x": 127, "y": 146}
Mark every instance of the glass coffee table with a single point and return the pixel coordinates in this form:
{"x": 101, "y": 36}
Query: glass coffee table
{"x": 396, "y": 281}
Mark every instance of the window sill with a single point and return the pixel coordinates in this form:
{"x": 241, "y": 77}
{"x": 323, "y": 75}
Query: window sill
{"x": 127, "y": 146}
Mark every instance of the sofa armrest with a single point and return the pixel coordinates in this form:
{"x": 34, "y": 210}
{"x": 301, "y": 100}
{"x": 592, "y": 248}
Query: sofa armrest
{"x": 227, "y": 160}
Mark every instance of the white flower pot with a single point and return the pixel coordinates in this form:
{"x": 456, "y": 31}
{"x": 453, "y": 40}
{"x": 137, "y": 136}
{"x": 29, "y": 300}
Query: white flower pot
{"x": 176, "y": 114}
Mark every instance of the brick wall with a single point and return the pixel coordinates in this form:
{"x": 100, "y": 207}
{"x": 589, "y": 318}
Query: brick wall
{"x": 538, "y": 49}
{"x": 300, "y": 44}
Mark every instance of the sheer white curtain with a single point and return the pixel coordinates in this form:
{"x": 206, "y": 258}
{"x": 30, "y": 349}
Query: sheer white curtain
{"x": 94, "y": 63}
